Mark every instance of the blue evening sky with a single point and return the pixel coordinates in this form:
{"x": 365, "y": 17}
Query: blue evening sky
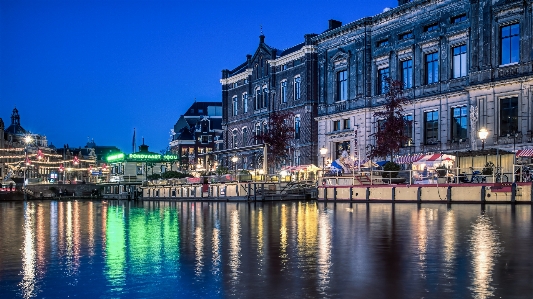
{"x": 98, "y": 69}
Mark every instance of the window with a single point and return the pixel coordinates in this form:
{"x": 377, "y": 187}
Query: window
{"x": 139, "y": 170}
{"x": 341, "y": 147}
{"x": 408, "y": 129}
{"x": 381, "y": 124}
{"x": 508, "y": 116}
{"x": 244, "y": 136}
{"x": 297, "y": 127}
{"x": 206, "y": 139}
{"x": 407, "y": 73}
{"x": 459, "y": 123}
{"x": 257, "y": 132}
{"x": 265, "y": 97}
{"x": 342, "y": 86}
{"x": 432, "y": 68}
{"x": 382, "y": 84}
{"x": 431, "y": 27}
{"x": 283, "y": 94}
{"x": 283, "y": 67}
{"x": 458, "y": 19}
{"x": 383, "y": 43}
{"x": 235, "y": 85}
{"x": 297, "y": 88}
{"x": 459, "y": 61}
{"x": 235, "y": 106}
{"x": 346, "y": 123}
{"x": 510, "y": 44}
{"x": 336, "y": 125}
{"x": 406, "y": 35}
{"x": 245, "y": 102}
{"x": 431, "y": 127}
{"x": 258, "y": 99}
{"x": 234, "y": 139}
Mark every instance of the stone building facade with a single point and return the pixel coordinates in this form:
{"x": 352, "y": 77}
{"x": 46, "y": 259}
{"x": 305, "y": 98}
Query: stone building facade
{"x": 465, "y": 64}
{"x": 270, "y": 80}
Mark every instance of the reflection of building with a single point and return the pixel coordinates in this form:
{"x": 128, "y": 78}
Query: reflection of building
{"x": 462, "y": 69}
{"x": 271, "y": 80}
{"x": 195, "y": 133}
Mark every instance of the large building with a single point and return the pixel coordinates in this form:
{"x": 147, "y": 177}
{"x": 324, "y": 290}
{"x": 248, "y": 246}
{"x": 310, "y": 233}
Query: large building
{"x": 464, "y": 64}
{"x": 270, "y": 80}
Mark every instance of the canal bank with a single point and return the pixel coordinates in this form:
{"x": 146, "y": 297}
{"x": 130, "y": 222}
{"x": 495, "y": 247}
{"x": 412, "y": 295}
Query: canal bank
{"x": 461, "y": 193}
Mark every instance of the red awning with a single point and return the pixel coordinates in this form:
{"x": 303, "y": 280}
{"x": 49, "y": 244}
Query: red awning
{"x": 408, "y": 159}
{"x": 528, "y": 152}
{"x": 431, "y": 158}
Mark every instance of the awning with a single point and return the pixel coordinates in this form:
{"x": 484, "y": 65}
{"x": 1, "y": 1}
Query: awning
{"x": 381, "y": 163}
{"x": 528, "y": 152}
{"x": 408, "y": 159}
{"x": 430, "y": 158}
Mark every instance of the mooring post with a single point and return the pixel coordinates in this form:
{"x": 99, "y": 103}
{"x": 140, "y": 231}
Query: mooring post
{"x": 419, "y": 195}
{"x": 513, "y": 193}
{"x": 393, "y": 193}
{"x": 325, "y": 193}
{"x": 449, "y": 194}
{"x": 483, "y": 194}
{"x": 531, "y": 193}
{"x": 334, "y": 193}
{"x": 351, "y": 193}
{"x": 367, "y": 194}
{"x": 255, "y": 191}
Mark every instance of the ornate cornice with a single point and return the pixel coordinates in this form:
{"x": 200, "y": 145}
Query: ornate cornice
{"x": 458, "y": 38}
{"x": 293, "y": 56}
{"x": 235, "y": 78}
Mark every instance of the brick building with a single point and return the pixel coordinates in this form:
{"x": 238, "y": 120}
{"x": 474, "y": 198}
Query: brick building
{"x": 270, "y": 80}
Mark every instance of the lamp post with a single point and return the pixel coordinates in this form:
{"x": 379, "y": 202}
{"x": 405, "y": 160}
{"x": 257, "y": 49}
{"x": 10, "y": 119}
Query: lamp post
{"x": 483, "y": 133}
{"x": 234, "y": 159}
{"x": 323, "y": 152}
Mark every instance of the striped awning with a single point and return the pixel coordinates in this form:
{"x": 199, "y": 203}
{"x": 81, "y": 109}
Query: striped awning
{"x": 528, "y": 152}
{"x": 431, "y": 158}
{"x": 408, "y": 159}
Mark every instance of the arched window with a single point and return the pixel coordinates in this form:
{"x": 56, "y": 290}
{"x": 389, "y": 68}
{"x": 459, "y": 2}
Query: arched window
{"x": 235, "y": 106}
{"x": 234, "y": 138}
{"x": 283, "y": 91}
{"x": 257, "y": 132}
{"x": 245, "y": 136}
{"x": 258, "y": 99}
{"x": 245, "y": 102}
{"x": 265, "y": 97}
{"x": 297, "y": 127}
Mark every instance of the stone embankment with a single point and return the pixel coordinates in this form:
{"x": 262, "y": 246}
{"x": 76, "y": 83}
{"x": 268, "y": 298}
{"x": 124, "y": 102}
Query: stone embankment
{"x": 461, "y": 193}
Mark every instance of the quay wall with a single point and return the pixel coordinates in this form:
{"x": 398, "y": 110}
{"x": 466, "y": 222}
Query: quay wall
{"x": 490, "y": 193}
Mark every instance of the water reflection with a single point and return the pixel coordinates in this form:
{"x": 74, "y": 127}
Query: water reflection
{"x": 275, "y": 250}
{"x": 234, "y": 247}
{"x": 324, "y": 250}
{"x": 28, "y": 285}
{"x": 485, "y": 247}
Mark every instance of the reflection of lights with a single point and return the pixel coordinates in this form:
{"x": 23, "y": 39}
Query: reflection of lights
{"x": 449, "y": 239}
{"x": 424, "y": 218}
{"x": 69, "y": 237}
{"x": 260, "y": 232}
{"x": 485, "y": 248}
{"x": 234, "y": 246}
{"x": 283, "y": 236}
{"x": 216, "y": 243}
{"x": 28, "y": 283}
{"x": 199, "y": 244}
{"x": 324, "y": 250}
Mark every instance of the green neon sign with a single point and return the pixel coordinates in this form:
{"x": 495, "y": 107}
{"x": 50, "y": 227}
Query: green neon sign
{"x": 144, "y": 157}
{"x": 115, "y": 157}
{"x": 170, "y": 157}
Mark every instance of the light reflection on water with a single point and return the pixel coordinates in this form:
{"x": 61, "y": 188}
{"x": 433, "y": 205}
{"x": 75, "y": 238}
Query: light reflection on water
{"x": 485, "y": 248}
{"x": 271, "y": 250}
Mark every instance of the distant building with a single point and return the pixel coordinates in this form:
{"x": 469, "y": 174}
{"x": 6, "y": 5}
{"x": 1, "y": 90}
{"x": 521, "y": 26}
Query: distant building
{"x": 196, "y": 133}
{"x": 270, "y": 80}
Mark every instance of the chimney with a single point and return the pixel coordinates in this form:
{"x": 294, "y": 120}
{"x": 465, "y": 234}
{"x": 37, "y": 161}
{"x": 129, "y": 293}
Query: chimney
{"x": 334, "y": 24}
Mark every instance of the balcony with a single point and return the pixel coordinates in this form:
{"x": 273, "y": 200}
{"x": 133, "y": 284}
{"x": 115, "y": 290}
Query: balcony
{"x": 342, "y": 106}
{"x": 458, "y": 144}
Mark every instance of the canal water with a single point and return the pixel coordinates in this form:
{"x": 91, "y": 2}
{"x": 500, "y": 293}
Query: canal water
{"x": 87, "y": 249}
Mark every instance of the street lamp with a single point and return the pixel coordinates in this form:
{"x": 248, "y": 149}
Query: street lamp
{"x": 323, "y": 152}
{"x": 483, "y": 133}
{"x": 234, "y": 159}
